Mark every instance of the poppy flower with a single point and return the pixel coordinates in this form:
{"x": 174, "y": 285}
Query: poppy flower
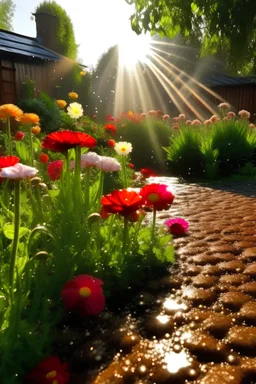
{"x": 64, "y": 140}
{"x": 121, "y": 201}
{"x": 110, "y": 128}
{"x": 9, "y": 110}
{"x": 8, "y": 161}
{"x": 84, "y": 294}
{"x": 61, "y": 103}
{"x": 177, "y": 226}
{"x": 19, "y": 135}
{"x": 18, "y": 172}
{"x": 44, "y": 158}
{"x": 146, "y": 172}
{"x": 28, "y": 118}
{"x": 157, "y": 196}
{"x": 111, "y": 143}
{"x": 36, "y": 130}
{"x": 73, "y": 95}
{"x": 131, "y": 165}
{"x": 50, "y": 371}
{"x": 54, "y": 169}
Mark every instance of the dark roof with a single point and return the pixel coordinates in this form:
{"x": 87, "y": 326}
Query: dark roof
{"x": 25, "y": 46}
{"x": 219, "y": 79}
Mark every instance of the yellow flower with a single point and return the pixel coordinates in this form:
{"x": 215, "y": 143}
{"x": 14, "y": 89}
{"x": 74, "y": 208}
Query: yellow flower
{"x": 9, "y": 110}
{"x": 61, "y": 103}
{"x": 83, "y": 73}
{"x": 73, "y": 95}
{"x": 28, "y": 118}
{"x": 36, "y": 130}
{"x": 130, "y": 113}
{"x": 123, "y": 148}
{"x": 75, "y": 110}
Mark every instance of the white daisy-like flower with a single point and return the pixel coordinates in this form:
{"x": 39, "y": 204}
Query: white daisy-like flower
{"x": 123, "y": 148}
{"x": 75, "y": 110}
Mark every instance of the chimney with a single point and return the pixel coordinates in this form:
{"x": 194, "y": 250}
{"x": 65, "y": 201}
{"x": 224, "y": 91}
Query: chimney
{"x": 46, "y": 31}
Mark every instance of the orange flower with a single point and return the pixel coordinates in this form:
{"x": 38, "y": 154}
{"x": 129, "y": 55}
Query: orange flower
{"x": 9, "y": 110}
{"x": 73, "y": 95}
{"x": 44, "y": 158}
{"x": 36, "y": 130}
{"x": 61, "y": 103}
{"x": 28, "y": 118}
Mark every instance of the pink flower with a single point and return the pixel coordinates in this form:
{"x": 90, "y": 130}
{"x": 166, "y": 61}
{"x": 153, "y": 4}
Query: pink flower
{"x": 224, "y": 106}
{"x": 196, "y": 122}
{"x": 152, "y": 112}
{"x": 244, "y": 114}
{"x": 143, "y": 114}
{"x": 207, "y": 122}
{"x": 251, "y": 125}
{"x": 88, "y": 159}
{"x": 177, "y": 226}
{"x": 166, "y": 117}
{"x": 157, "y": 196}
{"x": 18, "y": 171}
{"x": 214, "y": 118}
{"x": 231, "y": 114}
{"x": 108, "y": 164}
{"x": 225, "y": 118}
{"x": 175, "y": 119}
{"x": 175, "y": 126}
{"x": 84, "y": 295}
{"x": 110, "y": 118}
{"x": 188, "y": 122}
{"x": 182, "y": 116}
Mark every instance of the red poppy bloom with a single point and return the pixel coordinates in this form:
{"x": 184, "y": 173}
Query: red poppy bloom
{"x": 44, "y": 158}
{"x": 111, "y": 143}
{"x": 146, "y": 172}
{"x": 110, "y": 128}
{"x": 54, "y": 169}
{"x": 121, "y": 201}
{"x": 19, "y": 135}
{"x": 131, "y": 165}
{"x": 49, "y": 371}
{"x": 157, "y": 196}
{"x": 84, "y": 294}
{"x": 64, "y": 140}
{"x": 8, "y": 161}
{"x": 177, "y": 226}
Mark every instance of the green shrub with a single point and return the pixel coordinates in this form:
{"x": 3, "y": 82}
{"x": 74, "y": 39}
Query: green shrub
{"x": 184, "y": 155}
{"x": 46, "y": 109}
{"x": 147, "y": 138}
{"x": 210, "y": 157}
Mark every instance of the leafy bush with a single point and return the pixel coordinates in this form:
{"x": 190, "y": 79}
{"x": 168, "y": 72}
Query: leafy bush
{"x": 46, "y": 109}
{"x": 147, "y": 138}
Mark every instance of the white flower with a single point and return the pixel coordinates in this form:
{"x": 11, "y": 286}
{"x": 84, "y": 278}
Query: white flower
{"x": 108, "y": 164}
{"x": 123, "y": 148}
{"x": 18, "y": 171}
{"x": 87, "y": 160}
{"x": 244, "y": 113}
{"x": 75, "y": 110}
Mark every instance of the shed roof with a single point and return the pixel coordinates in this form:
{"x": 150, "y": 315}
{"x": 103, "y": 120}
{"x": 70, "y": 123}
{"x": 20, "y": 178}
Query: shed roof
{"x": 219, "y": 79}
{"x": 25, "y": 46}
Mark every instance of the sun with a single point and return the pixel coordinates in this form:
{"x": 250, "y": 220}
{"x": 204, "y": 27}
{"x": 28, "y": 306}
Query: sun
{"x": 133, "y": 49}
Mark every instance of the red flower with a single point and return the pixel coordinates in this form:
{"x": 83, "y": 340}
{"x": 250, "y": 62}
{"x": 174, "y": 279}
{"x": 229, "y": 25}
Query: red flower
{"x": 177, "y": 226}
{"x": 157, "y": 196}
{"x": 110, "y": 118}
{"x": 44, "y": 158}
{"x": 64, "y": 140}
{"x": 49, "y": 371}
{"x": 110, "y": 128}
{"x": 111, "y": 143}
{"x": 54, "y": 169}
{"x": 146, "y": 172}
{"x": 8, "y": 161}
{"x": 131, "y": 165}
{"x": 84, "y": 294}
{"x": 19, "y": 135}
{"x": 121, "y": 201}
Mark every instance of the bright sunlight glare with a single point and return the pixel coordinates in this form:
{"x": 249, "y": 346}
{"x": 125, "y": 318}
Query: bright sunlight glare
{"x": 132, "y": 49}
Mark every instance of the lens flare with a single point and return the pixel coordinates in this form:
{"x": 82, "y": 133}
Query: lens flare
{"x": 133, "y": 49}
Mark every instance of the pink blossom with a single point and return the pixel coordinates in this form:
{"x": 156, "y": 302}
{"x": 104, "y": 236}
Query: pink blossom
{"x": 244, "y": 113}
{"x": 196, "y": 122}
{"x": 182, "y": 116}
{"x": 252, "y": 125}
{"x": 177, "y": 226}
{"x": 231, "y": 114}
{"x": 224, "y": 106}
{"x": 108, "y": 164}
{"x": 88, "y": 159}
{"x": 18, "y": 171}
{"x": 166, "y": 117}
{"x": 207, "y": 122}
{"x": 188, "y": 122}
{"x": 214, "y": 118}
{"x": 225, "y": 118}
{"x": 175, "y": 126}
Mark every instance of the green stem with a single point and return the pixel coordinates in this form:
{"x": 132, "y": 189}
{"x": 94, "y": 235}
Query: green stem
{"x": 87, "y": 191}
{"x": 124, "y": 171}
{"x": 30, "y": 145}
{"x": 9, "y": 136}
{"x": 125, "y": 238}
{"x": 15, "y": 242}
{"x": 100, "y": 190}
{"x": 153, "y": 227}
{"x": 77, "y": 186}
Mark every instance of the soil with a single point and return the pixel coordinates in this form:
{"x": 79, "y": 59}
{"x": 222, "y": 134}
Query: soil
{"x": 197, "y": 325}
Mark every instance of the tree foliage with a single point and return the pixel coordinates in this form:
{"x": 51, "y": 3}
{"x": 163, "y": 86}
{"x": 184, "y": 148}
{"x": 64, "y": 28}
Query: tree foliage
{"x": 221, "y": 26}
{"x": 7, "y": 8}
{"x": 66, "y": 33}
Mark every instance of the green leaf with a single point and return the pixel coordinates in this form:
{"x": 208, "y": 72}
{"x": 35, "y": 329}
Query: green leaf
{"x": 8, "y": 231}
{"x": 54, "y": 192}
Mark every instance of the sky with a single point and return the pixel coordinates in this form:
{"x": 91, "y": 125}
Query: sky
{"x": 98, "y": 24}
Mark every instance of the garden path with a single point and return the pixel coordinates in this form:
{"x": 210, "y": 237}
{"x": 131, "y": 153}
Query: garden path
{"x": 198, "y": 325}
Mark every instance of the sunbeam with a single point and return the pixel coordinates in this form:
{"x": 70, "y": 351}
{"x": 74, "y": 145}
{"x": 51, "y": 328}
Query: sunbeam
{"x": 133, "y": 49}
